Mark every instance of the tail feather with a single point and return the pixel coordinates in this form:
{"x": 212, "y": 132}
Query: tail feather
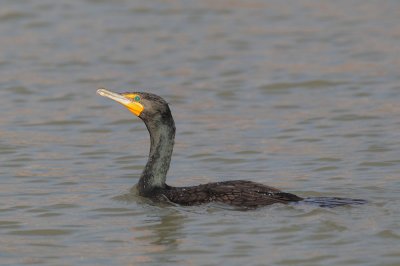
{"x": 331, "y": 202}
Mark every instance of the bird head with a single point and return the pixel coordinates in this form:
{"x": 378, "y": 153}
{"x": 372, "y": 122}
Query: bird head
{"x": 146, "y": 106}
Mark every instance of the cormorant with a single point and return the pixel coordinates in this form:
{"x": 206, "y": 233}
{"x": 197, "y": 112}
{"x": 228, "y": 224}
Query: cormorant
{"x": 155, "y": 113}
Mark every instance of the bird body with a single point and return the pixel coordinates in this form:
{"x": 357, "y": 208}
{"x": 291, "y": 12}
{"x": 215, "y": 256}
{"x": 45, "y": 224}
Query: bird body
{"x": 155, "y": 113}
{"x": 238, "y": 193}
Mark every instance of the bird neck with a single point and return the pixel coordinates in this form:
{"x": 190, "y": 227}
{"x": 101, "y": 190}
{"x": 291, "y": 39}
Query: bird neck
{"x": 162, "y": 134}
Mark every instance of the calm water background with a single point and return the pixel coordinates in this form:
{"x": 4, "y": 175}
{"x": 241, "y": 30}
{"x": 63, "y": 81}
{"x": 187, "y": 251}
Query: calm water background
{"x": 301, "y": 95}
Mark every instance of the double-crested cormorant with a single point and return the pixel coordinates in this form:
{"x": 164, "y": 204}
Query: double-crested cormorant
{"x": 155, "y": 113}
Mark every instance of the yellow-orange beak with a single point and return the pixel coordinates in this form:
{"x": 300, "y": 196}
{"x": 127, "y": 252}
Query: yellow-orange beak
{"x": 128, "y": 102}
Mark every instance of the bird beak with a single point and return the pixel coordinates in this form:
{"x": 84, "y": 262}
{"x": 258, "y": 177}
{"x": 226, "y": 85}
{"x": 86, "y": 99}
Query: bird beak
{"x": 134, "y": 107}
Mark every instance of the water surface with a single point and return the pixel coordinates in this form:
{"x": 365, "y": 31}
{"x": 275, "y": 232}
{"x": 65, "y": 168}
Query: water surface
{"x": 303, "y": 96}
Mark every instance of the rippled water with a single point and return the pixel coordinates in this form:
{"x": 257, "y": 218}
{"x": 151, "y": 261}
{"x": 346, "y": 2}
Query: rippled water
{"x": 302, "y": 95}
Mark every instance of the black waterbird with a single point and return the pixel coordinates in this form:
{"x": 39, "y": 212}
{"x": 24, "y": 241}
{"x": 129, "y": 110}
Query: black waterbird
{"x": 155, "y": 113}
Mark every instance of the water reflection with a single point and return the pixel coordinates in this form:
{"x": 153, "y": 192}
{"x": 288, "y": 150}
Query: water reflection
{"x": 159, "y": 240}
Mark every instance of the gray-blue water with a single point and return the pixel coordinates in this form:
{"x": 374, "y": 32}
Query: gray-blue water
{"x": 300, "y": 95}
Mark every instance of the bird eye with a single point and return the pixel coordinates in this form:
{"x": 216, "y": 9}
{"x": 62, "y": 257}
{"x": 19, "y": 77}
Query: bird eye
{"x": 137, "y": 98}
